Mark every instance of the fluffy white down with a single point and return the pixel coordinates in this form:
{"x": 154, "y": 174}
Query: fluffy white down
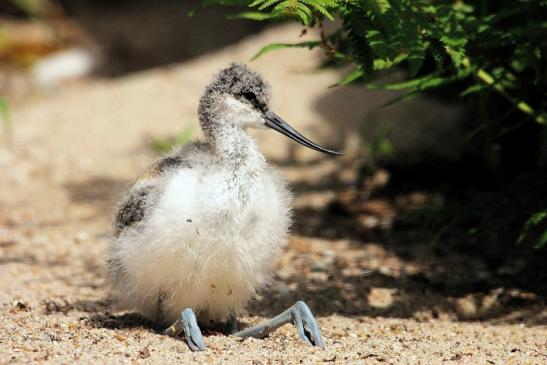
{"x": 240, "y": 113}
{"x": 207, "y": 244}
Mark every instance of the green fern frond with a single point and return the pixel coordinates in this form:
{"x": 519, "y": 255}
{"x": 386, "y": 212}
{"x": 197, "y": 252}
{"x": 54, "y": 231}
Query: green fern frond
{"x": 449, "y": 31}
{"x": 263, "y": 4}
{"x": 534, "y": 221}
{"x": 318, "y": 7}
{"x": 277, "y": 46}
{"x": 299, "y": 9}
{"x": 353, "y": 76}
{"x": 355, "y": 29}
{"x": 380, "y": 34}
{"x": 251, "y": 15}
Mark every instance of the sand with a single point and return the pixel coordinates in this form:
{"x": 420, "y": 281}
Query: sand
{"x": 393, "y": 301}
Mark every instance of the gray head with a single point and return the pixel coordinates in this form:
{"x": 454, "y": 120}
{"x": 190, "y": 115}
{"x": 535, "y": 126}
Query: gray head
{"x": 240, "y": 97}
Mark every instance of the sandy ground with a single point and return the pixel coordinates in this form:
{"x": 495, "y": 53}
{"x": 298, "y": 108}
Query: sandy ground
{"x": 377, "y": 301}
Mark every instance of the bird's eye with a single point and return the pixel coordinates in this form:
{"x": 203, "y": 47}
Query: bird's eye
{"x": 252, "y": 98}
{"x": 249, "y": 96}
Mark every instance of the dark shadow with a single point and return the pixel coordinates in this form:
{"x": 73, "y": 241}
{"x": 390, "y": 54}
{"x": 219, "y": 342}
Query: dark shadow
{"x": 464, "y": 286}
{"x": 330, "y": 222}
{"x": 120, "y": 321}
{"x": 518, "y": 291}
{"x": 133, "y": 35}
{"x": 101, "y": 192}
{"x": 64, "y": 306}
{"x": 502, "y": 292}
{"x": 99, "y": 313}
{"x": 30, "y": 259}
{"x": 416, "y": 296}
{"x": 444, "y": 278}
{"x": 326, "y": 184}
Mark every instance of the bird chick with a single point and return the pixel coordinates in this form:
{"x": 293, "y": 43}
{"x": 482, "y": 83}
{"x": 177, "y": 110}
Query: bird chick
{"x": 198, "y": 232}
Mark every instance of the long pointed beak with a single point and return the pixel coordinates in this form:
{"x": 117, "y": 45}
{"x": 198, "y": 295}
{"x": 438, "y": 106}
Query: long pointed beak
{"x": 274, "y": 122}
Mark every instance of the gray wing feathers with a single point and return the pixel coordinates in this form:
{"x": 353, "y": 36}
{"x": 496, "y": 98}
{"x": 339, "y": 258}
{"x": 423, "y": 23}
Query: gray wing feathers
{"x": 142, "y": 196}
{"x": 132, "y": 208}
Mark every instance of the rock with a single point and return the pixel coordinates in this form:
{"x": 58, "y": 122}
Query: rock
{"x": 63, "y": 65}
{"x": 381, "y": 297}
{"x": 466, "y": 308}
{"x": 19, "y": 306}
{"x": 144, "y": 353}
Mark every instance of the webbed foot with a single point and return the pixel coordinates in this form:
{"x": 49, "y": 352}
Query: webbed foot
{"x": 300, "y": 315}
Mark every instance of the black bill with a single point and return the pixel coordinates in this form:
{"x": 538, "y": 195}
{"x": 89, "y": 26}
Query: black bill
{"x": 275, "y": 122}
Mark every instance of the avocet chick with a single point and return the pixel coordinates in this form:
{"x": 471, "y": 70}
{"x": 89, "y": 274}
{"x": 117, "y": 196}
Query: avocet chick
{"x": 198, "y": 232}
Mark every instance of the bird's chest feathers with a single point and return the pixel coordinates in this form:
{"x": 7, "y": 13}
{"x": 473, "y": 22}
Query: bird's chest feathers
{"x": 234, "y": 199}
{"x": 228, "y": 198}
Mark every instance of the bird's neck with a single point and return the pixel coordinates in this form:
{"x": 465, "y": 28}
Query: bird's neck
{"x": 235, "y": 147}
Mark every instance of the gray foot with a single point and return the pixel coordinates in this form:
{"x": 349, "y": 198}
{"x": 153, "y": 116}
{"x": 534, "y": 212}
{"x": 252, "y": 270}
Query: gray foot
{"x": 300, "y": 315}
{"x": 188, "y": 324}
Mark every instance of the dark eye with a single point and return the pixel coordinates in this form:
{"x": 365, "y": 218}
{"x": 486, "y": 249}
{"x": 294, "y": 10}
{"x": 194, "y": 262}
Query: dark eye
{"x": 249, "y": 96}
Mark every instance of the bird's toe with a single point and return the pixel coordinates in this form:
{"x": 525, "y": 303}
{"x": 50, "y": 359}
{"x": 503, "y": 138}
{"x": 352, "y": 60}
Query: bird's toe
{"x": 306, "y": 325}
{"x": 192, "y": 332}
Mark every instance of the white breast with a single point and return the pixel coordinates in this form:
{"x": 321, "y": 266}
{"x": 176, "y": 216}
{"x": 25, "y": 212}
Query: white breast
{"x": 207, "y": 246}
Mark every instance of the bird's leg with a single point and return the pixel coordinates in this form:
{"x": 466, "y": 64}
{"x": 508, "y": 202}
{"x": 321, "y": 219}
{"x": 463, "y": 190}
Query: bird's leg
{"x": 231, "y": 325}
{"x": 300, "y": 315}
{"x": 159, "y": 308}
{"x": 188, "y": 324}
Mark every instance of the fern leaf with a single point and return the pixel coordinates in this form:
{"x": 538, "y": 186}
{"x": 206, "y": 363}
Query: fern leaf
{"x": 354, "y": 24}
{"x": 276, "y": 46}
{"x": 421, "y": 84}
{"x": 304, "y": 13}
{"x": 532, "y": 222}
{"x": 320, "y": 6}
{"x": 402, "y": 97}
{"x": 475, "y": 88}
{"x": 263, "y": 4}
{"x": 436, "y": 51}
{"x": 251, "y": 15}
{"x": 542, "y": 241}
{"x": 323, "y": 11}
{"x": 450, "y": 33}
{"x": 378, "y": 43}
{"x": 353, "y": 76}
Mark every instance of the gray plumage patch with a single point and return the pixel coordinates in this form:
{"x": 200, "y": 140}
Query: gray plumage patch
{"x": 165, "y": 164}
{"x": 134, "y": 205}
{"x": 170, "y": 162}
{"x": 132, "y": 209}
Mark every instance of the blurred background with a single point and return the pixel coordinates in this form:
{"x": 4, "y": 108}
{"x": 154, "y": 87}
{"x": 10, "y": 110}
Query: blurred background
{"x": 107, "y": 38}
{"x": 436, "y": 211}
